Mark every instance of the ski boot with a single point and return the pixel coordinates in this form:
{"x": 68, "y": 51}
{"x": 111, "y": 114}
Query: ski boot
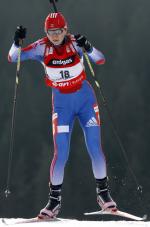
{"x": 103, "y": 195}
{"x": 54, "y": 203}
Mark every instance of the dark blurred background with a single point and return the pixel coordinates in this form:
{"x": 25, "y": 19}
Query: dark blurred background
{"x": 120, "y": 29}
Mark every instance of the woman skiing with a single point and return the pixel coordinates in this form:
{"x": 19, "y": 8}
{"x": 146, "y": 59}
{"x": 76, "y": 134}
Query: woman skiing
{"x": 61, "y": 54}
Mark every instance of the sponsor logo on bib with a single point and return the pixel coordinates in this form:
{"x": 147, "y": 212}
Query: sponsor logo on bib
{"x": 58, "y": 62}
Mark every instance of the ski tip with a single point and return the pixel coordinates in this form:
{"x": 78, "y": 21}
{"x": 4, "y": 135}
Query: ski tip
{"x": 144, "y": 217}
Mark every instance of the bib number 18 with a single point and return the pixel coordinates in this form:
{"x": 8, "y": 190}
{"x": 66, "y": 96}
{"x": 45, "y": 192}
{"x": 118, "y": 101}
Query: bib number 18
{"x": 65, "y": 74}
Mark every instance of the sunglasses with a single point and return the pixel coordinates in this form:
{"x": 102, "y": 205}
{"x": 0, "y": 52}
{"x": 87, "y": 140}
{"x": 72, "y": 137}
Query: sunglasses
{"x": 55, "y": 32}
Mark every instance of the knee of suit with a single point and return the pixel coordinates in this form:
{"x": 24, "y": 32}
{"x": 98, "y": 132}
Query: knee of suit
{"x": 96, "y": 155}
{"x": 94, "y": 143}
{"x": 62, "y": 148}
{"x": 61, "y": 159}
{"x": 94, "y": 147}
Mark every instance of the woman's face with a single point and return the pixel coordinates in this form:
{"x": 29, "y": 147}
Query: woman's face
{"x": 56, "y": 36}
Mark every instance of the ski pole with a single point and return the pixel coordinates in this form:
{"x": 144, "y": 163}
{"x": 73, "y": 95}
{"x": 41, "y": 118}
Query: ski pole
{"x": 54, "y": 5}
{"x": 139, "y": 187}
{"x": 7, "y": 191}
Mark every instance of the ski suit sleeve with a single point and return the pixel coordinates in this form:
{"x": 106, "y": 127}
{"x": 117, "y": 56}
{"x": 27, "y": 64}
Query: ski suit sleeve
{"x": 95, "y": 55}
{"x": 34, "y": 51}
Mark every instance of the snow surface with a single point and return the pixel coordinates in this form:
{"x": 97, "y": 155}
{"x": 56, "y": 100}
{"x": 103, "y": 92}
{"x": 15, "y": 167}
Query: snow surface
{"x": 76, "y": 223}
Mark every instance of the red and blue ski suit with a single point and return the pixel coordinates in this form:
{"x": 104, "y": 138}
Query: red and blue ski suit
{"x": 72, "y": 96}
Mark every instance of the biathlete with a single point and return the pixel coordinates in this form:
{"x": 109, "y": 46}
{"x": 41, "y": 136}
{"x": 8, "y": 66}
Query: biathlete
{"x": 61, "y": 54}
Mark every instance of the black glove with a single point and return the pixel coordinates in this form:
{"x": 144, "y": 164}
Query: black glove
{"x": 20, "y": 34}
{"x": 83, "y": 42}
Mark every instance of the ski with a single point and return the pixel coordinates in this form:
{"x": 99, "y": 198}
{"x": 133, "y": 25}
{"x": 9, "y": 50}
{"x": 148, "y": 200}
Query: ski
{"x": 118, "y": 213}
{"x": 29, "y": 220}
